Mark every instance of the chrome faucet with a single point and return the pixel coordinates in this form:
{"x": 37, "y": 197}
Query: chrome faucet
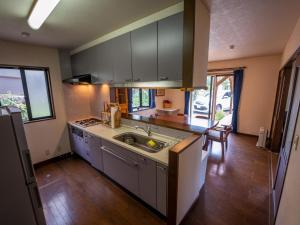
{"x": 147, "y": 129}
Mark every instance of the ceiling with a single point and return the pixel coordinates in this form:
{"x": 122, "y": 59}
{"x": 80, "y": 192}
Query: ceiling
{"x": 74, "y": 22}
{"x": 254, "y": 27}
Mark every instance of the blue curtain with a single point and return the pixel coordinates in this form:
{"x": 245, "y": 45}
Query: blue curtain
{"x": 129, "y": 92}
{"x": 152, "y": 98}
{"x": 187, "y": 95}
{"x": 237, "y": 89}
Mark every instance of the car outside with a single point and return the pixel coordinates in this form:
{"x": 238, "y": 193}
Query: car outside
{"x": 201, "y": 104}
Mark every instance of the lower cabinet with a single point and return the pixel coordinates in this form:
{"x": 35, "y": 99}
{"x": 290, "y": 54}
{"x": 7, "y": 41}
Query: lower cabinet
{"x": 161, "y": 188}
{"x": 95, "y": 151}
{"x": 140, "y": 175}
{"x": 147, "y": 180}
{"x": 121, "y": 169}
{"x": 85, "y": 151}
{"x": 78, "y": 142}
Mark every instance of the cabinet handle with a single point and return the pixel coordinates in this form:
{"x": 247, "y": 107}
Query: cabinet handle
{"x": 296, "y": 141}
{"x": 135, "y": 164}
{"x": 137, "y": 80}
{"x": 161, "y": 168}
{"x": 163, "y": 78}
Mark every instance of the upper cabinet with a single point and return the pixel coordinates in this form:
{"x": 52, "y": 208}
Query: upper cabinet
{"x": 96, "y": 61}
{"x": 121, "y": 53}
{"x": 82, "y": 62}
{"x": 195, "y": 44}
{"x": 144, "y": 53}
{"x": 172, "y": 52}
{"x": 103, "y": 68}
{"x": 170, "y": 42}
{"x": 65, "y": 64}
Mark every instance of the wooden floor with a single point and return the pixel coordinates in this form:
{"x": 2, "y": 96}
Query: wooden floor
{"x": 235, "y": 193}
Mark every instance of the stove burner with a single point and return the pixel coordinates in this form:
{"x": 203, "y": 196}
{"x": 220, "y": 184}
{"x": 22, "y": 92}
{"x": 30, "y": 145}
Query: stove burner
{"x": 88, "y": 122}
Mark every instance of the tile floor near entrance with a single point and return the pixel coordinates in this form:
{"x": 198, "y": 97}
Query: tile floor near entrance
{"x": 236, "y": 192}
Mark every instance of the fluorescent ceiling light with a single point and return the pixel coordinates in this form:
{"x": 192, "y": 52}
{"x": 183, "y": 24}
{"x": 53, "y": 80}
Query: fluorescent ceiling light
{"x": 40, "y": 12}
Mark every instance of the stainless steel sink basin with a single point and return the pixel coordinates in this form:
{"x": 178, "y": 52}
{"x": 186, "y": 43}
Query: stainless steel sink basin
{"x": 140, "y": 141}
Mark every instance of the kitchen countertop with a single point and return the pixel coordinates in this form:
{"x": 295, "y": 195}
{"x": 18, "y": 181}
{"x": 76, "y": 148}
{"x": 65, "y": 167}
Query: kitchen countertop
{"x": 108, "y": 133}
{"x": 184, "y": 123}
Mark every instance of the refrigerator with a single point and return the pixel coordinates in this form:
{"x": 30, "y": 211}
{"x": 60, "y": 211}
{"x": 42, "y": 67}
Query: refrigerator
{"x": 20, "y": 202}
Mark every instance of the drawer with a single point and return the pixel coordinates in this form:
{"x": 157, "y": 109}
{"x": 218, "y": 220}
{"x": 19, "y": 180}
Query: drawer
{"x": 125, "y": 153}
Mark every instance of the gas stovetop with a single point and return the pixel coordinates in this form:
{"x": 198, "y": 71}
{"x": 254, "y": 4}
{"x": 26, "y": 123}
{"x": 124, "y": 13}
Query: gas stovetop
{"x": 88, "y": 122}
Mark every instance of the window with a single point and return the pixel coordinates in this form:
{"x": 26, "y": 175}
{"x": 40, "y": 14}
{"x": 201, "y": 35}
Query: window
{"x": 29, "y": 90}
{"x": 140, "y": 99}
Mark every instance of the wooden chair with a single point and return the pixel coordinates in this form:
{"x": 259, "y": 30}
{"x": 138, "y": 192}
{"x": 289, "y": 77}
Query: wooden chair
{"x": 219, "y": 134}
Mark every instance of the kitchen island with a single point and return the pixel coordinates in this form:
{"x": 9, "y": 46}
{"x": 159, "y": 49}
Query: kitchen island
{"x": 168, "y": 180}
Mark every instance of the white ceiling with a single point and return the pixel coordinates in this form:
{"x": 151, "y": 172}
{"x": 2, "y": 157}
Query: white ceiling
{"x": 255, "y": 27}
{"x": 74, "y": 22}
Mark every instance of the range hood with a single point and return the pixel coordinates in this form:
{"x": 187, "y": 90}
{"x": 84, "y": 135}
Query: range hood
{"x": 79, "y": 79}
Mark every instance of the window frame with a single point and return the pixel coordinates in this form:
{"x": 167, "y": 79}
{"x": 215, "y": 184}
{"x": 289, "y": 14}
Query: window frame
{"x": 26, "y": 93}
{"x": 141, "y": 107}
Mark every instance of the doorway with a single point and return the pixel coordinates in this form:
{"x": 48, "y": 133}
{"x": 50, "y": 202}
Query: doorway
{"x": 217, "y": 101}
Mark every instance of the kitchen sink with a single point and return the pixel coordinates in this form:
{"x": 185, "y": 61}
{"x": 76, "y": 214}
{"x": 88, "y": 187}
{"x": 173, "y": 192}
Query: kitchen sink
{"x": 145, "y": 143}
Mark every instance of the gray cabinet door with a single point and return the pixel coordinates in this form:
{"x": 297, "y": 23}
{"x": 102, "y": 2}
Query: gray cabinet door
{"x": 147, "y": 181}
{"x": 121, "y": 53}
{"x": 96, "y": 61}
{"x": 144, "y": 53}
{"x": 170, "y": 43}
{"x": 84, "y": 147}
{"x": 161, "y": 188}
{"x": 84, "y": 62}
{"x": 121, "y": 169}
{"x": 65, "y": 64}
{"x": 94, "y": 144}
{"x": 102, "y": 70}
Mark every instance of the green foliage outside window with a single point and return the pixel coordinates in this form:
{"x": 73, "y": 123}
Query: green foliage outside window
{"x": 219, "y": 115}
{"x": 15, "y": 100}
{"x": 140, "y": 98}
{"x": 145, "y": 97}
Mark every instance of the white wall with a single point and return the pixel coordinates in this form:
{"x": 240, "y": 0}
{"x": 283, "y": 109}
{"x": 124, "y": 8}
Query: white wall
{"x": 48, "y": 135}
{"x": 83, "y": 101}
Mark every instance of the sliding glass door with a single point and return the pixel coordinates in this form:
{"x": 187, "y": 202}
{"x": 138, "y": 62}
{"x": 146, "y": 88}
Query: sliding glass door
{"x": 201, "y": 100}
{"x": 215, "y": 102}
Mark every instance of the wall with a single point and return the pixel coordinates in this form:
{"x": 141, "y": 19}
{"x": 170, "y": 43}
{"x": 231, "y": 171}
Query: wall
{"x": 77, "y": 101}
{"x": 99, "y": 94}
{"x": 48, "y": 135}
{"x": 83, "y": 101}
{"x": 288, "y": 212}
{"x": 292, "y": 45}
{"x": 258, "y": 91}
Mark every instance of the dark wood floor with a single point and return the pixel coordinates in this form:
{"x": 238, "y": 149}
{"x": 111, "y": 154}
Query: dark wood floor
{"x": 235, "y": 193}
